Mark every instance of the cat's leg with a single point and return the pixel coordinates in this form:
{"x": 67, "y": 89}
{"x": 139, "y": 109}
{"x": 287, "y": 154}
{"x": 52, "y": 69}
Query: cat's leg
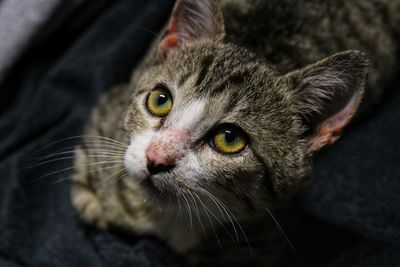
{"x": 84, "y": 198}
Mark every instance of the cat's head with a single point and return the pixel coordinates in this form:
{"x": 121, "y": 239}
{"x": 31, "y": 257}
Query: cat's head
{"x": 211, "y": 122}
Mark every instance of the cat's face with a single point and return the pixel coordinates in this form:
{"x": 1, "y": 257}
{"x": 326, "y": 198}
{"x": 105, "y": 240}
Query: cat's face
{"x": 226, "y": 119}
{"x": 212, "y": 123}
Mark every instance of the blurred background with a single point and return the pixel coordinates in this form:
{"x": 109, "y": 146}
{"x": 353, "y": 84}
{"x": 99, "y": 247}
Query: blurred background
{"x": 57, "y": 57}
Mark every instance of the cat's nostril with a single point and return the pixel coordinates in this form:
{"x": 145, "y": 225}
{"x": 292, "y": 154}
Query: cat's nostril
{"x": 157, "y": 168}
{"x": 156, "y": 162}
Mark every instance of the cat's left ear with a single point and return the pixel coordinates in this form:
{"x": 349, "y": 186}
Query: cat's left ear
{"x": 327, "y": 95}
{"x": 193, "y": 20}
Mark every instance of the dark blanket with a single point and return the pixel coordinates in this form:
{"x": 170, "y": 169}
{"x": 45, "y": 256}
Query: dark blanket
{"x": 351, "y": 215}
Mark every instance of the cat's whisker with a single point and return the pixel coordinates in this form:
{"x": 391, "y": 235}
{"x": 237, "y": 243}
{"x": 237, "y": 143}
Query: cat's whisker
{"x": 96, "y": 152}
{"x": 198, "y": 213}
{"x": 111, "y": 147}
{"x": 217, "y": 219}
{"x": 102, "y": 154}
{"x": 146, "y": 30}
{"x": 72, "y": 152}
{"x": 207, "y": 211}
{"x": 103, "y": 138}
{"x": 281, "y": 230}
{"x": 120, "y": 171}
{"x": 94, "y": 170}
{"x": 51, "y": 173}
{"x": 180, "y": 214}
{"x": 177, "y": 197}
{"x": 104, "y": 162}
{"x": 219, "y": 206}
{"x": 71, "y": 168}
{"x": 50, "y": 161}
{"x": 123, "y": 176}
{"x": 169, "y": 202}
{"x": 104, "y": 144}
{"x": 188, "y": 210}
{"x": 109, "y": 140}
{"x": 93, "y": 148}
{"x": 68, "y": 177}
{"x": 79, "y": 137}
{"x": 62, "y": 180}
{"x": 104, "y": 150}
{"x": 63, "y": 152}
{"x": 234, "y": 218}
{"x": 71, "y": 157}
{"x": 192, "y": 205}
{"x": 65, "y": 178}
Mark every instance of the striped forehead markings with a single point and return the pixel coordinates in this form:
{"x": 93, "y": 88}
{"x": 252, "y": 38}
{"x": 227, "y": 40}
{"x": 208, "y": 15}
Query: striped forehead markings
{"x": 204, "y": 68}
{"x": 233, "y": 79}
{"x": 184, "y": 78}
{"x": 207, "y": 84}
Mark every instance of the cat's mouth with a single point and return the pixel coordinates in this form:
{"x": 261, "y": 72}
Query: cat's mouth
{"x": 149, "y": 187}
{"x": 155, "y": 189}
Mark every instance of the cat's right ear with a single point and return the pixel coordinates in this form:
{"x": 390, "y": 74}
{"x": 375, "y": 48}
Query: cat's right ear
{"x": 193, "y": 20}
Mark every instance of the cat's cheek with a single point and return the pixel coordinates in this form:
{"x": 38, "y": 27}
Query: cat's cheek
{"x": 189, "y": 167}
{"x": 135, "y": 156}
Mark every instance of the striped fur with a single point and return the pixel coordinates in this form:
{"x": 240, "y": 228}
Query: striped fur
{"x": 275, "y": 69}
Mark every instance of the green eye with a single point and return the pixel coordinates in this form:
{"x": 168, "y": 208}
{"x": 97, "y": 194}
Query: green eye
{"x": 229, "y": 140}
{"x": 159, "y": 102}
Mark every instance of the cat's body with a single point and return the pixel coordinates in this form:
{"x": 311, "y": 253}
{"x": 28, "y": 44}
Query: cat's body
{"x": 292, "y": 34}
{"x": 223, "y": 74}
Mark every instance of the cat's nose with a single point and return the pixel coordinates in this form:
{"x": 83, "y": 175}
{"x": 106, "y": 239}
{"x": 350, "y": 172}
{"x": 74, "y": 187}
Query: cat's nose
{"x": 157, "y": 163}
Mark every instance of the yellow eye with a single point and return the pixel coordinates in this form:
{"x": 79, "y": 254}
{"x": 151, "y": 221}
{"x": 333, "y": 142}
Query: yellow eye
{"x": 229, "y": 140}
{"x": 159, "y": 102}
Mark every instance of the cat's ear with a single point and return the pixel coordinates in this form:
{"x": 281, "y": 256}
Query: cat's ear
{"x": 328, "y": 94}
{"x": 193, "y": 20}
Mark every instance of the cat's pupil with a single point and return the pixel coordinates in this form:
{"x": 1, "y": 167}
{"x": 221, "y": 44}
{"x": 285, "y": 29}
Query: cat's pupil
{"x": 230, "y": 136}
{"x": 162, "y": 99}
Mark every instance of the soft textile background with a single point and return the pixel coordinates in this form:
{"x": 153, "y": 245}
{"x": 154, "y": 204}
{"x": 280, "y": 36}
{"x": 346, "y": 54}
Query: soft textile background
{"x": 351, "y": 215}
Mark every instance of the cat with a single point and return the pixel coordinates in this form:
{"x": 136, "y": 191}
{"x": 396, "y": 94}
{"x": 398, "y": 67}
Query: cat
{"x": 212, "y": 142}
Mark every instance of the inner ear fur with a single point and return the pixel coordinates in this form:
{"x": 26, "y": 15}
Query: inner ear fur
{"x": 327, "y": 95}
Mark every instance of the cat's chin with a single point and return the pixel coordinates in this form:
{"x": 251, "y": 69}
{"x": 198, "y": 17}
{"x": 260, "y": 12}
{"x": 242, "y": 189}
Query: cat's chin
{"x": 149, "y": 188}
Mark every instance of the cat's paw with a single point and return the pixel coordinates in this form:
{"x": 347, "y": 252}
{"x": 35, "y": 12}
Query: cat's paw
{"x": 88, "y": 205}
{"x": 84, "y": 199}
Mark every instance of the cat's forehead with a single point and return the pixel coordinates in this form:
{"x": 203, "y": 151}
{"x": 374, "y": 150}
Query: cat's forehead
{"x": 212, "y": 62}
{"x": 215, "y": 70}
{"x": 230, "y": 84}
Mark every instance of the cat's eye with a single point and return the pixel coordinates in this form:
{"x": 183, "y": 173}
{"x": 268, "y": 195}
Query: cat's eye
{"x": 159, "y": 102}
{"x": 229, "y": 139}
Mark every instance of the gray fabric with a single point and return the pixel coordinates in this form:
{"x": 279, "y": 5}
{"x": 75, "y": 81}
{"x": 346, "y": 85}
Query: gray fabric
{"x": 20, "y": 21}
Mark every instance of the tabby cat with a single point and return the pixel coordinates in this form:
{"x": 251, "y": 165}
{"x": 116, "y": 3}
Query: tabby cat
{"x": 210, "y": 144}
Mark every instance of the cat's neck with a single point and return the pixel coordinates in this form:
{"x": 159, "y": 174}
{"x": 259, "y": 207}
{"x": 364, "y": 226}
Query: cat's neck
{"x": 180, "y": 232}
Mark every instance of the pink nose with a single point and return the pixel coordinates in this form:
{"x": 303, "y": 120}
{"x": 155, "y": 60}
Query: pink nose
{"x": 158, "y": 158}
{"x": 158, "y": 162}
